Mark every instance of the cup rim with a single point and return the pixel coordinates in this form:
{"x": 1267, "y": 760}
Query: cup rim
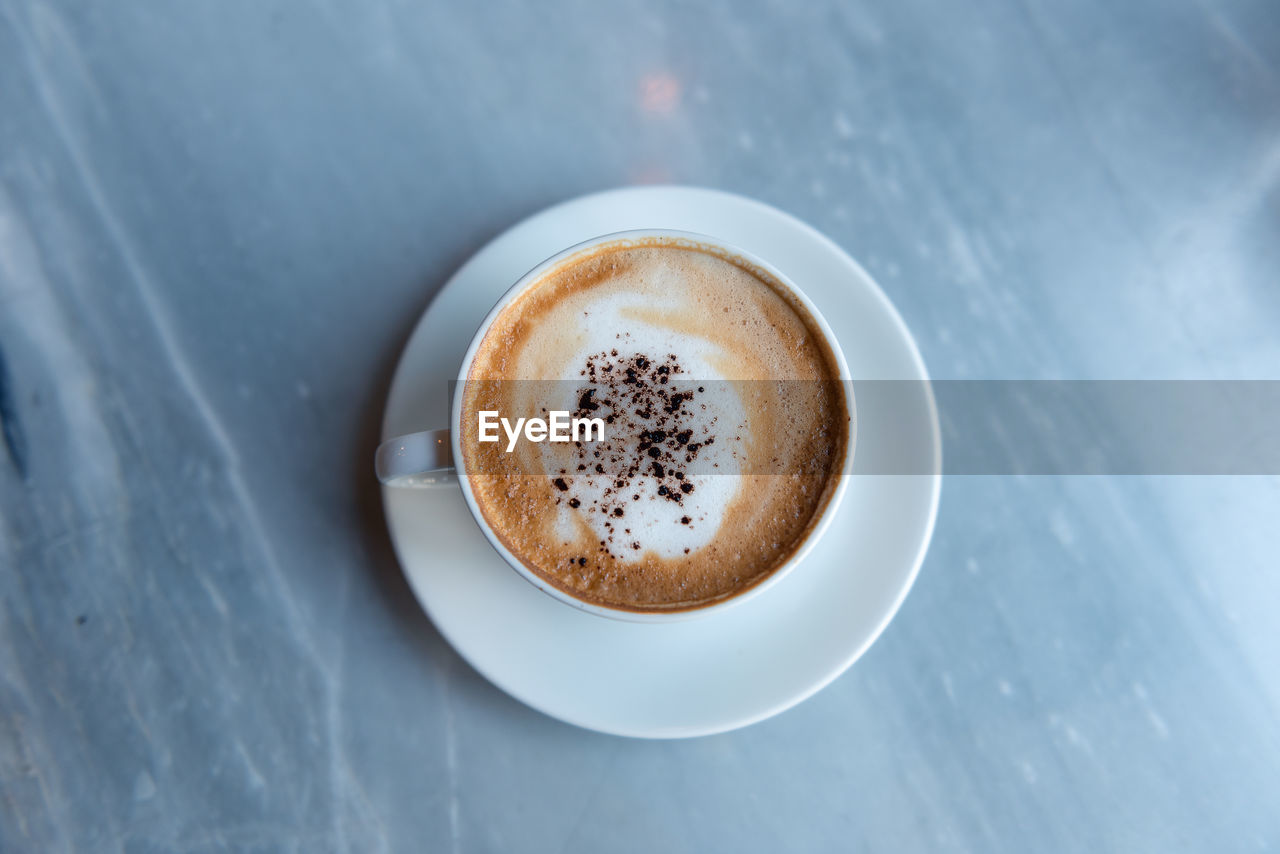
{"x": 637, "y": 616}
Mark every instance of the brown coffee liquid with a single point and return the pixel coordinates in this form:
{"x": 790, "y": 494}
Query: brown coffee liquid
{"x": 728, "y": 426}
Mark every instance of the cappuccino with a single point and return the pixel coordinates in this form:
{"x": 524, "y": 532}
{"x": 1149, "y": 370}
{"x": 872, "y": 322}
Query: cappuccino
{"x": 725, "y": 425}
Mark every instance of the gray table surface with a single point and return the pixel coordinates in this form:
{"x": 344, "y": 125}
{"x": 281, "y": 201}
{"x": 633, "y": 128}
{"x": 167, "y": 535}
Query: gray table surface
{"x": 219, "y": 221}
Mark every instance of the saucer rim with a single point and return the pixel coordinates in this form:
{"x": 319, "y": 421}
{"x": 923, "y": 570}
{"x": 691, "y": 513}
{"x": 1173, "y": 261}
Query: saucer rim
{"x": 902, "y": 334}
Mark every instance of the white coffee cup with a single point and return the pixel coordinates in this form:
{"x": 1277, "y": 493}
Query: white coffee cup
{"x": 434, "y": 459}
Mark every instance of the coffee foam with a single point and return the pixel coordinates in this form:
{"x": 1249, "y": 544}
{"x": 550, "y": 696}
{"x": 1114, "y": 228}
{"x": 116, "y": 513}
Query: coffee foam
{"x": 611, "y": 528}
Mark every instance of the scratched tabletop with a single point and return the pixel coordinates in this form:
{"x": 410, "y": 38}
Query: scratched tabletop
{"x": 220, "y": 220}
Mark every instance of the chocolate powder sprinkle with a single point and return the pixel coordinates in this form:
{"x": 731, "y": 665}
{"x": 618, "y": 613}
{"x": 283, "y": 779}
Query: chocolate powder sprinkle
{"x": 642, "y": 397}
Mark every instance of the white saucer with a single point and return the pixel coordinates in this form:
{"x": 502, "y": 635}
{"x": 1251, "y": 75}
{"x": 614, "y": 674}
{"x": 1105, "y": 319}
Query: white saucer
{"x": 704, "y": 675}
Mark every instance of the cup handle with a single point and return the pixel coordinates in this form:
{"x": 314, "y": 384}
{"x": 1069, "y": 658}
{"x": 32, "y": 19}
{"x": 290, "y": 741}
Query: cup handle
{"x": 416, "y": 459}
